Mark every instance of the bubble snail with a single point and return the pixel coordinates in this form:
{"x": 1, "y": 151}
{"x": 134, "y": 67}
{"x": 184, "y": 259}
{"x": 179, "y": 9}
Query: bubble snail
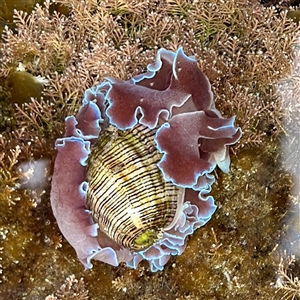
{"x": 133, "y": 170}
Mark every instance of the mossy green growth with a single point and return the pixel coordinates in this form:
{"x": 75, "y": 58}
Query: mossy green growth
{"x": 146, "y": 239}
{"x": 294, "y": 15}
{"x": 7, "y": 121}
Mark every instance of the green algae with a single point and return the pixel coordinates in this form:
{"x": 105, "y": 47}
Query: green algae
{"x": 237, "y": 257}
{"x": 23, "y": 86}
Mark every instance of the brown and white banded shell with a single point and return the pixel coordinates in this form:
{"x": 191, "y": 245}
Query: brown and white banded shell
{"x": 127, "y": 195}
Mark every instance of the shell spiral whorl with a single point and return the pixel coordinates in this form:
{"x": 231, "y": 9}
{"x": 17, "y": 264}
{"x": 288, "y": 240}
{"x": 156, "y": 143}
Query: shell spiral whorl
{"x": 127, "y": 195}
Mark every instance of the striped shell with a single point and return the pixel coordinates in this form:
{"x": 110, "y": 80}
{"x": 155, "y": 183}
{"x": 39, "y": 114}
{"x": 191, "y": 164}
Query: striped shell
{"x": 127, "y": 194}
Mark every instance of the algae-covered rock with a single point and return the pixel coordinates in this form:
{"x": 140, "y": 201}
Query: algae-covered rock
{"x": 23, "y": 85}
{"x": 7, "y": 8}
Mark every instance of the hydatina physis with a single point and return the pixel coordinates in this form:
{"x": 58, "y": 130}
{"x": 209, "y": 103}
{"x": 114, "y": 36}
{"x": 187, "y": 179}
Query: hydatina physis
{"x": 133, "y": 171}
{"x": 127, "y": 195}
